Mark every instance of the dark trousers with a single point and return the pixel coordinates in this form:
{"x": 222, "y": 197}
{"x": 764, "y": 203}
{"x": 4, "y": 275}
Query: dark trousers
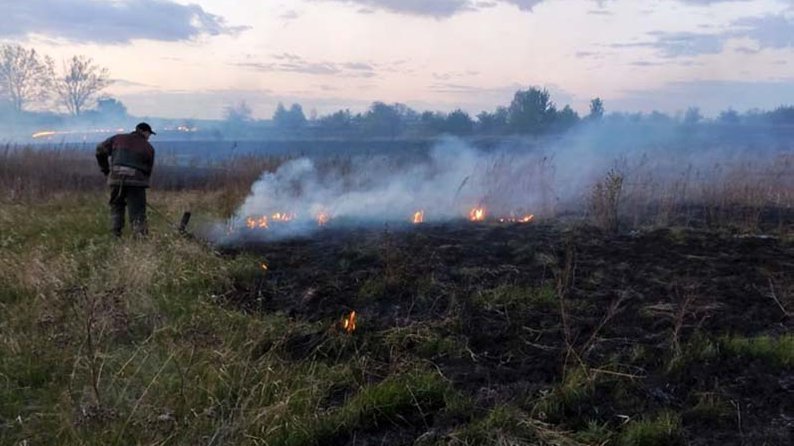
{"x": 133, "y": 198}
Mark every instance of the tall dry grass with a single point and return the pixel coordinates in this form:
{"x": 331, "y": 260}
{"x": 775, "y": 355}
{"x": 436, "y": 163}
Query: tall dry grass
{"x": 28, "y": 173}
{"x": 750, "y": 196}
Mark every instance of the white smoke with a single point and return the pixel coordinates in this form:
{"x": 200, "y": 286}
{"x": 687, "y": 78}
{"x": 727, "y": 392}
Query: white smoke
{"x": 445, "y": 185}
{"x": 520, "y": 177}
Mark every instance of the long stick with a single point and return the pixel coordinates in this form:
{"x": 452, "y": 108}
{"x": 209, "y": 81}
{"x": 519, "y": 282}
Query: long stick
{"x": 183, "y": 222}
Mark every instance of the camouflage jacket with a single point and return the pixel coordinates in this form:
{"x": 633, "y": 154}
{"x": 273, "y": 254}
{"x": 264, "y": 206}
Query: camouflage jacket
{"x": 131, "y": 159}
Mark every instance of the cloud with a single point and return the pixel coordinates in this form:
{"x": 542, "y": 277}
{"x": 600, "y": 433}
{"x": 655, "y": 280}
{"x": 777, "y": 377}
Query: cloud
{"x": 770, "y": 31}
{"x": 587, "y": 54}
{"x": 286, "y": 62}
{"x": 435, "y": 8}
{"x": 301, "y": 67}
{"x": 111, "y": 22}
{"x": 746, "y": 50}
{"x": 524, "y": 5}
{"x": 358, "y": 66}
{"x": 645, "y": 63}
{"x": 438, "y": 8}
{"x": 679, "y": 44}
{"x": 445, "y": 76}
{"x": 709, "y": 2}
{"x": 290, "y": 15}
{"x": 457, "y": 88}
{"x": 687, "y": 44}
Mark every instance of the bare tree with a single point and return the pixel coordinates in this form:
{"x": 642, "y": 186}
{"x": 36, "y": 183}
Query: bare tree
{"x": 25, "y": 76}
{"x": 81, "y": 81}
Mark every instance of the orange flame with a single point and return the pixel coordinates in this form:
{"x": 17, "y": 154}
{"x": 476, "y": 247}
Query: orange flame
{"x": 263, "y": 265}
{"x": 322, "y": 218}
{"x": 257, "y": 222}
{"x": 283, "y": 216}
{"x": 349, "y": 322}
{"x": 525, "y": 219}
{"x": 477, "y": 214}
{"x": 419, "y": 217}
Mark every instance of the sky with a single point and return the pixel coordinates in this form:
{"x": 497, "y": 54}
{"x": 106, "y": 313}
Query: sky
{"x": 193, "y": 59}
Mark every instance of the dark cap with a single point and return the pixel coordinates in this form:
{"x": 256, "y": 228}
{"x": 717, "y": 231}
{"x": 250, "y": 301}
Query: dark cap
{"x": 144, "y": 127}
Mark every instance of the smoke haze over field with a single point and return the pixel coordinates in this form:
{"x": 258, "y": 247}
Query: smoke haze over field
{"x": 520, "y": 177}
{"x": 446, "y": 185}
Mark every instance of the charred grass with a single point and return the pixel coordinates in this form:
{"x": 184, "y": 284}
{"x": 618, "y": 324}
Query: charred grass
{"x": 549, "y": 335}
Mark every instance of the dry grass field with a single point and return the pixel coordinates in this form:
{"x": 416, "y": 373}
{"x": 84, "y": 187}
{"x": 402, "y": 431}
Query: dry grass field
{"x": 660, "y": 314}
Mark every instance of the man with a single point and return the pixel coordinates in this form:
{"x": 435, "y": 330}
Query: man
{"x": 131, "y": 162}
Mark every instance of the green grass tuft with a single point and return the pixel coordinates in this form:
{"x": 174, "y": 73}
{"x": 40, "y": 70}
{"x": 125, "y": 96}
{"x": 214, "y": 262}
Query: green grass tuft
{"x": 662, "y": 430}
{"x": 776, "y": 351}
{"x": 518, "y": 297}
{"x": 406, "y": 400}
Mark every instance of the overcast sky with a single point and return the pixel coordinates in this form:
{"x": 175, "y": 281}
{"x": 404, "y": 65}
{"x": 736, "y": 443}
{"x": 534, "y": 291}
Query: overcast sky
{"x": 191, "y": 59}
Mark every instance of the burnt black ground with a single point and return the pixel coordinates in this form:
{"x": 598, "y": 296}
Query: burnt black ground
{"x": 506, "y": 311}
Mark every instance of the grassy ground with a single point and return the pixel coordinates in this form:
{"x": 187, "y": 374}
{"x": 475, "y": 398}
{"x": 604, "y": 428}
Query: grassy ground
{"x": 123, "y": 342}
{"x": 469, "y": 335}
{"x": 135, "y": 342}
{"x": 119, "y": 342}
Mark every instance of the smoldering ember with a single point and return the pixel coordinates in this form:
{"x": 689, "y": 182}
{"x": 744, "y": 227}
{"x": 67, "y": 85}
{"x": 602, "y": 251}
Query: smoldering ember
{"x": 369, "y": 222}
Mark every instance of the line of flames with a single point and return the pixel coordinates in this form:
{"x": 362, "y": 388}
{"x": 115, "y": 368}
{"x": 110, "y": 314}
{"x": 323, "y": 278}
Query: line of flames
{"x": 476, "y": 214}
{"x": 524, "y": 219}
{"x": 263, "y": 221}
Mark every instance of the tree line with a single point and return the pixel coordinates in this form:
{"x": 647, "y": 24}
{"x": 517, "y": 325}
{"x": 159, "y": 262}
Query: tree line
{"x": 531, "y": 112}
{"x": 29, "y": 79}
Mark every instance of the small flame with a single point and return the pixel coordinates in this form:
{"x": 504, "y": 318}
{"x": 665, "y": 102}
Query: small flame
{"x": 419, "y": 217}
{"x": 477, "y": 214}
{"x": 257, "y": 222}
{"x": 527, "y": 218}
{"x": 283, "y": 216}
{"x": 263, "y": 265}
{"x": 349, "y": 322}
{"x": 322, "y": 218}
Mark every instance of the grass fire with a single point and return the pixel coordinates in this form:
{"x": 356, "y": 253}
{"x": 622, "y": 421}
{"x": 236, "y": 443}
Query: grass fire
{"x": 388, "y": 223}
{"x": 582, "y": 322}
